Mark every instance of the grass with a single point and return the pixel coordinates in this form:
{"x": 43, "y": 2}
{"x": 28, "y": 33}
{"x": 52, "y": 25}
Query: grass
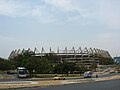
{"x": 52, "y": 75}
{"x": 4, "y": 76}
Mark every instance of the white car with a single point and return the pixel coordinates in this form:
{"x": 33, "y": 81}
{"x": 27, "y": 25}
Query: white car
{"x": 88, "y": 74}
{"x": 22, "y": 72}
{"x": 59, "y": 78}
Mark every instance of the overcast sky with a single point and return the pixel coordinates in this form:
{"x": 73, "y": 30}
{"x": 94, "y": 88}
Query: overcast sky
{"x": 59, "y": 23}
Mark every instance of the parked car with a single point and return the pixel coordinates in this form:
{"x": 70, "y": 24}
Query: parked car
{"x": 88, "y": 74}
{"x": 59, "y": 77}
{"x": 10, "y": 72}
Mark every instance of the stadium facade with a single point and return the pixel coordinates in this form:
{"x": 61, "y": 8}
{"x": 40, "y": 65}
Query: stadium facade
{"x": 85, "y": 56}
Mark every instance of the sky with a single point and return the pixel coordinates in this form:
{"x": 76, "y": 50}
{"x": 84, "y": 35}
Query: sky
{"x": 59, "y": 23}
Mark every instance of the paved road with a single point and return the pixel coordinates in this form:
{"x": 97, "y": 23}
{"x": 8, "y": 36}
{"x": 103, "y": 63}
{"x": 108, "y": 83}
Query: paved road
{"x": 104, "y": 85}
{"x": 35, "y": 79}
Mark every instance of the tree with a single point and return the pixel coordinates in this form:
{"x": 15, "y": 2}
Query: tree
{"x": 39, "y": 64}
{"x": 65, "y": 67}
{"x": 52, "y": 57}
{"x": 106, "y": 61}
{"x": 82, "y": 68}
{"x": 93, "y": 66}
{"x": 6, "y": 65}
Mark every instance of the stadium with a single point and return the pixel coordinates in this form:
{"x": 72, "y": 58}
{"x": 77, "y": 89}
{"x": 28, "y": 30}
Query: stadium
{"x": 81, "y": 56}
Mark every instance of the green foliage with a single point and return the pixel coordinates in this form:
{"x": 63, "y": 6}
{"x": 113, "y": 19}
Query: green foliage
{"x": 6, "y": 65}
{"x": 21, "y": 59}
{"x": 106, "y": 61}
{"x": 52, "y": 57}
{"x": 93, "y": 66}
{"x": 82, "y": 68}
{"x": 40, "y": 65}
{"x": 65, "y": 67}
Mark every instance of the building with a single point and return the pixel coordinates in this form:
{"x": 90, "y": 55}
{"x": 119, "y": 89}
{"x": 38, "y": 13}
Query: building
{"x": 81, "y": 56}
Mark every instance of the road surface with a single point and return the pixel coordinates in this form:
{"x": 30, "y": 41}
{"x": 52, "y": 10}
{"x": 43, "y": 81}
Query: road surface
{"x": 14, "y": 78}
{"x": 104, "y": 85}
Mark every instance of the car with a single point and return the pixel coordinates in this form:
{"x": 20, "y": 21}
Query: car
{"x": 88, "y": 74}
{"x": 59, "y": 77}
{"x": 10, "y": 72}
{"x": 22, "y": 72}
